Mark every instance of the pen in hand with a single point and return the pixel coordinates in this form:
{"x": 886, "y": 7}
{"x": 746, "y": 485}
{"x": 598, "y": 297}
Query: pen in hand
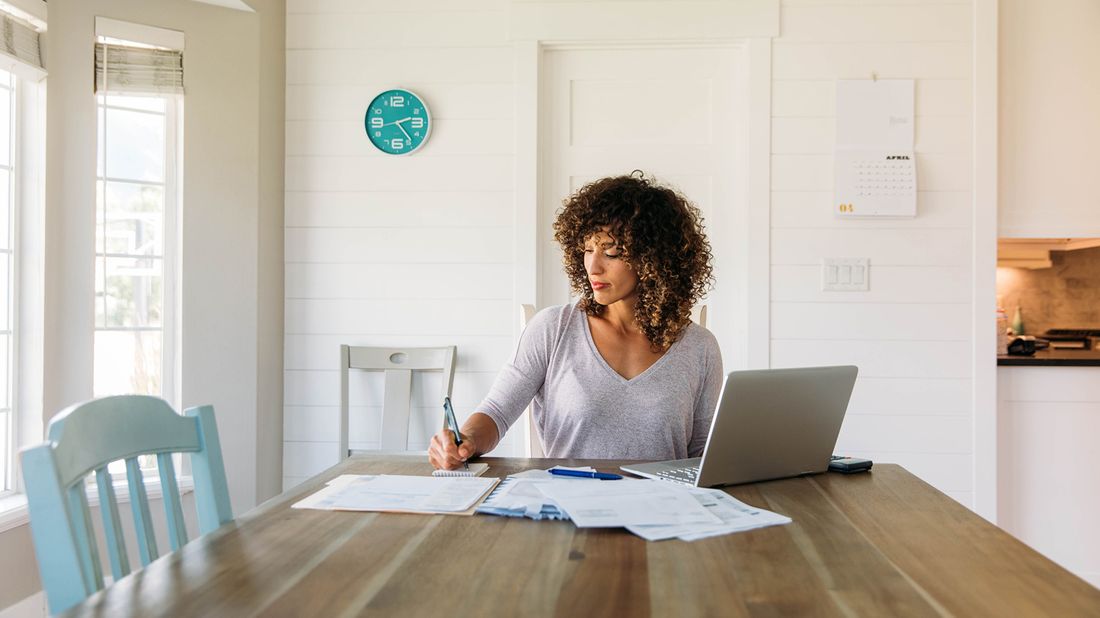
{"x": 451, "y": 423}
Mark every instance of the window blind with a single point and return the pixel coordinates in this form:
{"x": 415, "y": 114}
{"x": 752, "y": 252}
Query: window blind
{"x": 19, "y": 41}
{"x": 128, "y": 69}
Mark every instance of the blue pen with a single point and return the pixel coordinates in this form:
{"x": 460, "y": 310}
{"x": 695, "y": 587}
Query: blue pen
{"x": 603, "y": 476}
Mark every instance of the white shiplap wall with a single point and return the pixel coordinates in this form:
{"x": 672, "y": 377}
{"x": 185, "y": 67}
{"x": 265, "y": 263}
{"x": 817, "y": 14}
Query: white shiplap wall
{"x": 412, "y": 251}
{"x": 417, "y": 250}
{"x": 910, "y": 333}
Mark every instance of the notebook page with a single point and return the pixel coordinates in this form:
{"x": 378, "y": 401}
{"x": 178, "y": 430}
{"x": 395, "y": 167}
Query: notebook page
{"x": 476, "y": 469}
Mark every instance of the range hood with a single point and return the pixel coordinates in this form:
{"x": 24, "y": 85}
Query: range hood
{"x": 1035, "y": 252}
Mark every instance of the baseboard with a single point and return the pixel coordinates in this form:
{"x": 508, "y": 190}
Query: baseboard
{"x": 33, "y": 606}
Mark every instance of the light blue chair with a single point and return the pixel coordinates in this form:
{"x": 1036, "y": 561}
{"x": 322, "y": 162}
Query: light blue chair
{"x": 85, "y": 438}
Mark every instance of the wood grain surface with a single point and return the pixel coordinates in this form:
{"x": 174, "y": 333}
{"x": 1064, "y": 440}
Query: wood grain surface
{"x": 882, "y": 543}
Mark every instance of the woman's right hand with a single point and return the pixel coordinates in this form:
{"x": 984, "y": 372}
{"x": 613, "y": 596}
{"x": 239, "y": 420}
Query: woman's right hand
{"x": 444, "y": 455}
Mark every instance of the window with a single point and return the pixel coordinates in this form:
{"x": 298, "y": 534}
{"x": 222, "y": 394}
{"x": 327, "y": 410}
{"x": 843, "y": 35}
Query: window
{"x": 139, "y": 87}
{"x": 7, "y": 278}
{"x": 135, "y": 260}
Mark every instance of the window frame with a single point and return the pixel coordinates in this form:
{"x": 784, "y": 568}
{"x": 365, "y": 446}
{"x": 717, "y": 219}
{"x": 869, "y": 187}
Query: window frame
{"x": 11, "y": 482}
{"x": 28, "y": 144}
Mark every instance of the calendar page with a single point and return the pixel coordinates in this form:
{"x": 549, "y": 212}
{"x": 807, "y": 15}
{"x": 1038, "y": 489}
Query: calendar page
{"x": 875, "y": 183}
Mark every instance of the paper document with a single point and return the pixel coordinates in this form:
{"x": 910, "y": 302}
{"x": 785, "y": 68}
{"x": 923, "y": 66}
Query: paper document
{"x": 612, "y": 504}
{"x": 735, "y": 516}
{"x": 344, "y": 479}
{"x": 413, "y": 494}
{"x": 519, "y": 495}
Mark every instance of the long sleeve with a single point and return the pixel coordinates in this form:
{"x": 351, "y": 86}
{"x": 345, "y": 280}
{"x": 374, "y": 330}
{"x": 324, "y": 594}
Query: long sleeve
{"x": 519, "y": 380}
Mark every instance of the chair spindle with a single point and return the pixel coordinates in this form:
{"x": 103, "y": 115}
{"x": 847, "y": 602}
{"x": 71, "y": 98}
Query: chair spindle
{"x": 82, "y": 529}
{"x": 139, "y": 504}
{"x": 112, "y": 525}
{"x": 173, "y": 511}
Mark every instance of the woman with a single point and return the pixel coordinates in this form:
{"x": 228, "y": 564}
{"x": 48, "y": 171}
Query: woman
{"x": 624, "y": 373}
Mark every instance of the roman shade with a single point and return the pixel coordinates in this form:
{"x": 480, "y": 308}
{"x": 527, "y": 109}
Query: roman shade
{"x": 19, "y": 41}
{"x": 123, "y": 69}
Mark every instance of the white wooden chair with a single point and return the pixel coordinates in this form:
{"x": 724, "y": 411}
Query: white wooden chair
{"x": 530, "y": 434}
{"x": 398, "y": 364}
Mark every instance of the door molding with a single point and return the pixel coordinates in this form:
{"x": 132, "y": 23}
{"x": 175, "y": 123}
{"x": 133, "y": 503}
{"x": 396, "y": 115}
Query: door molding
{"x": 984, "y": 259}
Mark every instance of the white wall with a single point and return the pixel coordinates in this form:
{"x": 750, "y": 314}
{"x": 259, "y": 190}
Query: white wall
{"x": 416, "y": 250}
{"x": 910, "y": 334}
{"x": 232, "y": 216}
{"x": 383, "y": 250}
{"x": 221, "y": 212}
{"x": 269, "y": 259}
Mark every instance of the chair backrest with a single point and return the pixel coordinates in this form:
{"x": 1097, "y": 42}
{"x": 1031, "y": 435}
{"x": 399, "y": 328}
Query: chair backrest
{"x": 531, "y": 440}
{"x": 83, "y": 439}
{"x": 699, "y": 315}
{"x": 398, "y": 365}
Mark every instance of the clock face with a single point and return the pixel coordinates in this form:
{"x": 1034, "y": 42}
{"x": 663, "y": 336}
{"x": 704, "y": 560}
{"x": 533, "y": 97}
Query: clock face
{"x": 397, "y": 122}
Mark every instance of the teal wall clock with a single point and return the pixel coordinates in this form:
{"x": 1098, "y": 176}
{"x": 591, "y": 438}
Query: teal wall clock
{"x": 398, "y": 122}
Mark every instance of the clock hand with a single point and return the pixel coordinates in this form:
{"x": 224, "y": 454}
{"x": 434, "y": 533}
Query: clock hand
{"x": 409, "y": 137}
{"x": 398, "y": 122}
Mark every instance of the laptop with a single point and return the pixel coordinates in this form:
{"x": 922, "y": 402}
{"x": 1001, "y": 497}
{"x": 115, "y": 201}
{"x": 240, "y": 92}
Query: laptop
{"x": 769, "y": 424}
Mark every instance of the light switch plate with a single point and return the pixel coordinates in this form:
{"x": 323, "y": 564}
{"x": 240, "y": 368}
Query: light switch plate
{"x": 845, "y": 274}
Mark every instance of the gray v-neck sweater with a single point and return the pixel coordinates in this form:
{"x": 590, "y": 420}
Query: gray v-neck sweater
{"x": 583, "y": 408}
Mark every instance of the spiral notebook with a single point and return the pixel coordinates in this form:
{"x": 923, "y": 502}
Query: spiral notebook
{"x": 476, "y": 469}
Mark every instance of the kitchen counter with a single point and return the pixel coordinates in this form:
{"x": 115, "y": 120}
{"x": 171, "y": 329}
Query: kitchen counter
{"x": 1055, "y": 358}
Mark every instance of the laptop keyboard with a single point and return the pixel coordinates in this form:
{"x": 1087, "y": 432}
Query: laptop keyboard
{"x": 687, "y": 474}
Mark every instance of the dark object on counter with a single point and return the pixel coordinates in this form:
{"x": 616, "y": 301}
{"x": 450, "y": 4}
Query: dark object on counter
{"x": 1071, "y": 339}
{"x": 1055, "y": 357}
{"x": 1022, "y": 346}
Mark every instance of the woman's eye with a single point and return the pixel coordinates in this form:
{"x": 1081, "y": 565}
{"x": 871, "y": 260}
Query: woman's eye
{"x": 614, "y": 256}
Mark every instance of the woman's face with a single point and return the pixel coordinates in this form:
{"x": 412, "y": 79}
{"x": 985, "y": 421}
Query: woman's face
{"x": 609, "y": 274}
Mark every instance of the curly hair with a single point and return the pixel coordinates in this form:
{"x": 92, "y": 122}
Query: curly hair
{"x": 661, "y": 236}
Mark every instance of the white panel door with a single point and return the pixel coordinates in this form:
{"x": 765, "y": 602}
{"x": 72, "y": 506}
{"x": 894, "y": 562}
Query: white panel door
{"x": 670, "y": 112}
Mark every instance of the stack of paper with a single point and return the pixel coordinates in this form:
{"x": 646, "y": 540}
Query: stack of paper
{"x": 615, "y": 504}
{"x": 653, "y": 510}
{"x": 407, "y": 494}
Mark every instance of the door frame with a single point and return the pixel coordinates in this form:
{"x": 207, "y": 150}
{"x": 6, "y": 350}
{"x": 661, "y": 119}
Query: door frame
{"x": 984, "y": 259}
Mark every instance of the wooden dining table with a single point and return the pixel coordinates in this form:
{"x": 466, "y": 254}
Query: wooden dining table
{"x": 879, "y": 543}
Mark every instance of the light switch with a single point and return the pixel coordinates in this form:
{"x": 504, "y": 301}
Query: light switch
{"x": 845, "y": 274}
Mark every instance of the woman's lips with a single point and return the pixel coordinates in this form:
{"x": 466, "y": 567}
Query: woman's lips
{"x": 599, "y": 285}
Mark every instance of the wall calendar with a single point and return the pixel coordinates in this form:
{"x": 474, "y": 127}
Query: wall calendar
{"x": 875, "y": 166}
